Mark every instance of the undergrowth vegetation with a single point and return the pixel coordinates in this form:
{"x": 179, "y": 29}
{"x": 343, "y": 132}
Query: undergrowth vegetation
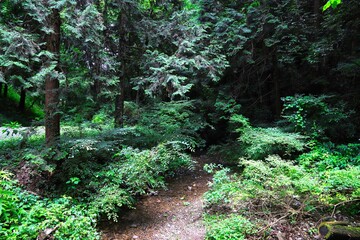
{"x": 278, "y": 172}
{"x": 284, "y": 178}
{"x": 25, "y": 215}
{"x": 94, "y": 173}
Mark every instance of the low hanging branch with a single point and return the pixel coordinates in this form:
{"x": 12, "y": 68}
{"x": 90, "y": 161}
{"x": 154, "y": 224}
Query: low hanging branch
{"x": 342, "y": 203}
{"x": 339, "y": 231}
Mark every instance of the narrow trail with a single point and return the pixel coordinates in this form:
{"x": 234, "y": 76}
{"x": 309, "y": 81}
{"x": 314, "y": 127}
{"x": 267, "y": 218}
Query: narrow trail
{"x": 173, "y": 214}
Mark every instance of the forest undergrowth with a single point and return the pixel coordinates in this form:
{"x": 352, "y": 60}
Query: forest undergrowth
{"x": 277, "y": 184}
{"x": 284, "y": 184}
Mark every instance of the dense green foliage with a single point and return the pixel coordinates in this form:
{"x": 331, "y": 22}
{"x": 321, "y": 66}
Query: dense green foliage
{"x": 315, "y": 182}
{"x": 229, "y": 227}
{"x": 275, "y": 185}
{"x": 24, "y": 215}
{"x": 268, "y": 87}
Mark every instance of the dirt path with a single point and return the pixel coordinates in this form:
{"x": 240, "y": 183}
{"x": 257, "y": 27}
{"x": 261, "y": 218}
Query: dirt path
{"x": 173, "y": 214}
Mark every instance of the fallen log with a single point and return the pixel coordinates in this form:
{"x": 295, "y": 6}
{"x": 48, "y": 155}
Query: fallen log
{"x": 339, "y": 231}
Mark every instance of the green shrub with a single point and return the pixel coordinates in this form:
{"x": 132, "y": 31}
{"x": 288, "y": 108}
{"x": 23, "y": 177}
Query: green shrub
{"x": 9, "y": 211}
{"x": 317, "y": 117}
{"x": 224, "y": 107}
{"x": 261, "y": 142}
{"x": 329, "y": 156}
{"x": 173, "y": 121}
{"x": 100, "y": 118}
{"x": 222, "y": 189}
{"x": 24, "y": 216}
{"x": 110, "y": 199}
{"x": 277, "y": 184}
{"x": 341, "y": 185}
{"x": 219, "y": 227}
{"x": 134, "y": 172}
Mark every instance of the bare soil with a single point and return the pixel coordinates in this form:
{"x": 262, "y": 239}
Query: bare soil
{"x": 173, "y": 214}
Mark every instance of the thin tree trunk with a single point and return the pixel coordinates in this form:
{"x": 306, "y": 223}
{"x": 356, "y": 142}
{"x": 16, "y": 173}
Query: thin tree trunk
{"x": 119, "y": 107}
{"x": 22, "y": 99}
{"x": 120, "y": 97}
{"x": 96, "y": 86}
{"x": 317, "y": 12}
{"x": 275, "y": 78}
{"x": 1, "y": 88}
{"x": 277, "y": 97}
{"x": 52, "y": 117}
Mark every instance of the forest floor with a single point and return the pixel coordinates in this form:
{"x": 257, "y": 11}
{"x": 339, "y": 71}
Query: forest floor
{"x": 172, "y": 214}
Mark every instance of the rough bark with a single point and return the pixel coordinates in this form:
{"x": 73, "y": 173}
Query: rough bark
{"x": 52, "y": 117}
{"x": 339, "y": 231}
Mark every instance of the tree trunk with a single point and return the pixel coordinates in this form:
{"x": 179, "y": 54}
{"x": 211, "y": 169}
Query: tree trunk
{"x": 275, "y": 78}
{"x": 317, "y": 12}
{"x": 1, "y": 87}
{"x": 22, "y": 100}
{"x": 122, "y": 50}
{"x": 277, "y": 101}
{"x": 52, "y": 117}
{"x": 339, "y": 231}
{"x": 119, "y": 107}
{"x": 96, "y": 86}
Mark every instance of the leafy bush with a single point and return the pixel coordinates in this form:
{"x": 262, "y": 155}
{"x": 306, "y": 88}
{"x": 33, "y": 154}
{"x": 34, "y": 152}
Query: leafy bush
{"x": 9, "y": 211}
{"x": 173, "y": 121}
{"x": 275, "y": 185}
{"x": 261, "y": 142}
{"x": 227, "y": 227}
{"x": 273, "y": 181}
{"x": 100, "y": 118}
{"x": 222, "y": 189}
{"x": 24, "y": 216}
{"x": 341, "y": 185}
{"x": 276, "y": 182}
{"x": 110, "y": 198}
{"x": 134, "y": 172}
{"x": 315, "y": 116}
{"x": 224, "y": 108}
{"x": 329, "y": 156}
